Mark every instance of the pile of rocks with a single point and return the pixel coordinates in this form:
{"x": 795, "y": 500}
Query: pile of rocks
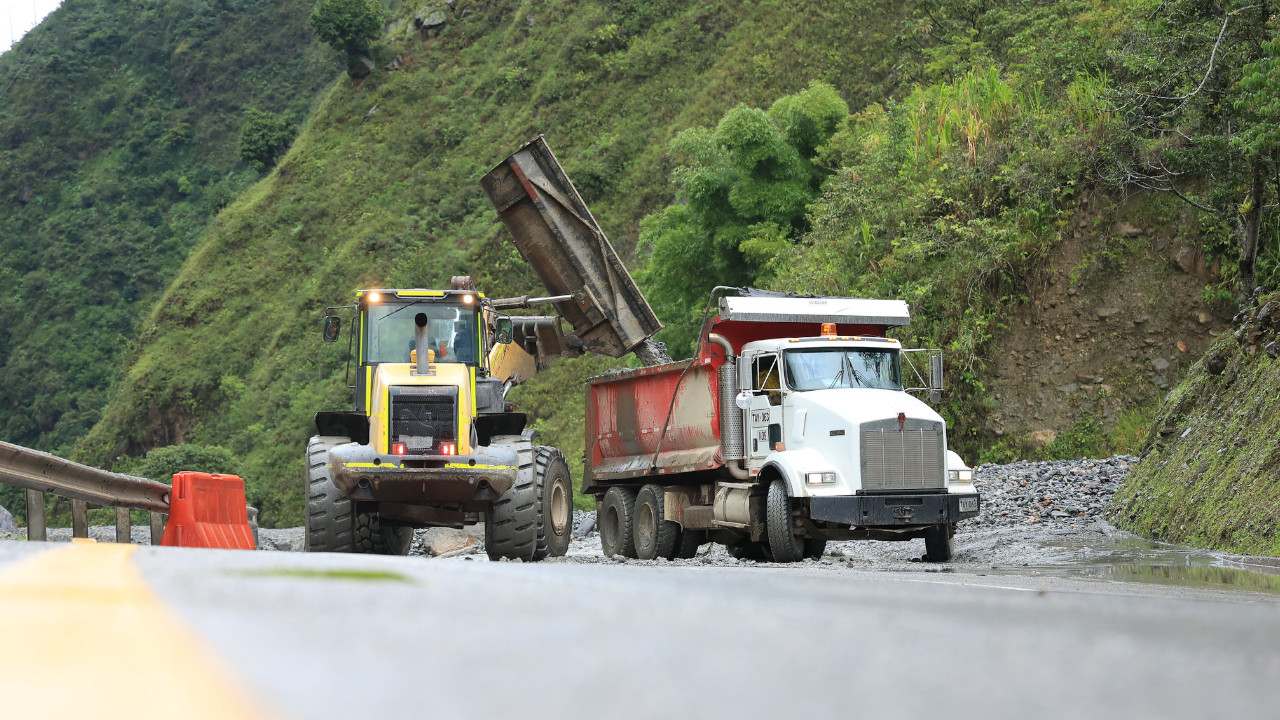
{"x": 1055, "y": 491}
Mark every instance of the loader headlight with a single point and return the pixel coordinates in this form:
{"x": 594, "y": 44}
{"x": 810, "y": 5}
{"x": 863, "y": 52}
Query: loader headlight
{"x": 819, "y": 478}
{"x": 965, "y": 476}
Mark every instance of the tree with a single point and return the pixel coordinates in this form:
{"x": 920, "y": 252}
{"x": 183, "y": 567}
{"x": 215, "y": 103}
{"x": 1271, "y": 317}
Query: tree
{"x": 264, "y": 138}
{"x": 1198, "y": 86}
{"x": 162, "y": 463}
{"x": 349, "y": 26}
{"x": 741, "y": 190}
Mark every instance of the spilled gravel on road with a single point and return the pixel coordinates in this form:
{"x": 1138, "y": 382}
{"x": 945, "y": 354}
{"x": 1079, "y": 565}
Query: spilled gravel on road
{"x": 1037, "y": 518}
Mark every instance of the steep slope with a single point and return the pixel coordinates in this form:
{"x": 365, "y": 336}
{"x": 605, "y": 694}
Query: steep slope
{"x": 1210, "y": 475}
{"x": 381, "y": 188}
{"x": 118, "y": 130}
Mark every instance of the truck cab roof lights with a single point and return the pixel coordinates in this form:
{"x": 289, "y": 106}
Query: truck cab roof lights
{"x": 828, "y": 329}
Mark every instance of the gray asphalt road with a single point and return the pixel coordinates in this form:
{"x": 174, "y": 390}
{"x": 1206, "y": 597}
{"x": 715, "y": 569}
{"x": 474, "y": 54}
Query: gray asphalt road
{"x": 328, "y": 636}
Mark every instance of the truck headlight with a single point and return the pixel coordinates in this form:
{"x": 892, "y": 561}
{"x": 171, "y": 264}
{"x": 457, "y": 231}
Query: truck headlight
{"x": 819, "y": 478}
{"x": 965, "y": 476}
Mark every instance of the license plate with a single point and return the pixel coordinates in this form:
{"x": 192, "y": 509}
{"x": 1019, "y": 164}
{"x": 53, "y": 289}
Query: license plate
{"x": 969, "y": 504}
{"x": 417, "y": 442}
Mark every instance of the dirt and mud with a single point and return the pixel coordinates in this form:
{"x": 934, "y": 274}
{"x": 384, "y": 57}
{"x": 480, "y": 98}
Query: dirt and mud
{"x": 1110, "y": 324}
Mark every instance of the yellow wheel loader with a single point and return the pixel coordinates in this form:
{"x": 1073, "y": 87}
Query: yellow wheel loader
{"x": 431, "y": 439}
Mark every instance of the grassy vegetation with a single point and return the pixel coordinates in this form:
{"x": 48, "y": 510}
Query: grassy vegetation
{"x": 381, "y": 188}
{"x": 1211, "y": 472}
{"x": 118, "y": 130}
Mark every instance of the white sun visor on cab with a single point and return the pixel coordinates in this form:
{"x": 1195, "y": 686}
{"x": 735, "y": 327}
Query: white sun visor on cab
{"x": 858, "y": 311}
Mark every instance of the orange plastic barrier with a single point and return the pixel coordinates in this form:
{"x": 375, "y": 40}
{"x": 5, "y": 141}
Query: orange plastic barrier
{"x": 208, "y": 511}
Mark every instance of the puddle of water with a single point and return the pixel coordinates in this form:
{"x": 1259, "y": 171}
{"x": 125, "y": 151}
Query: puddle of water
{"x": 1133, "y": 559}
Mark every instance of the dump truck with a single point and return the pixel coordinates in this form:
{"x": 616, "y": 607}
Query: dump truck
{"x": 795, "y": 423}
{"x": 430, "y": 439}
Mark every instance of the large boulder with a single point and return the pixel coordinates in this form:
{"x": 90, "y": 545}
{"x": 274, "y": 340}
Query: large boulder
{"x": 7, "y": 525}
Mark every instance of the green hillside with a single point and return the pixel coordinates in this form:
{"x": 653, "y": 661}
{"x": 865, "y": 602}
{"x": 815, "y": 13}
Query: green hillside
{"x": 381, "y": 188}
{"x": 944, "y": 153}
{"x": 119, "y": 123}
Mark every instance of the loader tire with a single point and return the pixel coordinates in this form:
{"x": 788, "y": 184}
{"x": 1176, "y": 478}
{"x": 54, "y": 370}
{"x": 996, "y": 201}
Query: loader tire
{"x": 554, "y": 504}
{"x": 616, "y": 522}
{"x": 655, "y": 537}
{"x": 330, "y": 518}
{"x": 510, "y": 528}
{"x": 374, "y": 537}
{"x": 784, "y": 543}
{"x": 937, "y": 542}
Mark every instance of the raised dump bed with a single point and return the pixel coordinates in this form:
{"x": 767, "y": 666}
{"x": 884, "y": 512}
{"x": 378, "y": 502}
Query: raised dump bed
{"x": 557, "y": 235}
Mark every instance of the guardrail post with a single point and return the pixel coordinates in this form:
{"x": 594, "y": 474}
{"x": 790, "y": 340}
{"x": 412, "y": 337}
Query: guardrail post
{"x": 157, "y": 527}
{"x": 124, "y": 526}
{"x": 79, "y": 519}
{"x": 35, "y": 516}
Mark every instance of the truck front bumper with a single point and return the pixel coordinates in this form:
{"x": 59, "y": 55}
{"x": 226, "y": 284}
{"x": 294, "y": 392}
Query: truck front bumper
{"x": 483, "y": 476}
{"x": 895, "y": 510}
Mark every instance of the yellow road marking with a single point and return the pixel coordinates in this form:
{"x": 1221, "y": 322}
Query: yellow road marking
{"x": 85, "y": 637}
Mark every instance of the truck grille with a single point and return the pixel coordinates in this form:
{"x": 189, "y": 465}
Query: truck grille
{"x": 913, "y": 458}
{"x": 424, "y": 417}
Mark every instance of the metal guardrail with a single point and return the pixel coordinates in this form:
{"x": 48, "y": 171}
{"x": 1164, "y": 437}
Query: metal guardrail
{"x": 40, "y": 473}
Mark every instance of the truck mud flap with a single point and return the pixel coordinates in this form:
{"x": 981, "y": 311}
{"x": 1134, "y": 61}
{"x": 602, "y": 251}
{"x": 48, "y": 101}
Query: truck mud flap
{"x": 556, "y": 234}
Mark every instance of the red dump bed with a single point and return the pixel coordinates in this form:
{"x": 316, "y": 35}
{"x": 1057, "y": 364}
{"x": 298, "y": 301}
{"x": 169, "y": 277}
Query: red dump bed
{"x": 626, "y": 413}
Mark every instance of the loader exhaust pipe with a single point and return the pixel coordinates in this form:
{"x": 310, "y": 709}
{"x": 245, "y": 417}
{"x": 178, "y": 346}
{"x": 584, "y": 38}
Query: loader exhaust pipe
{"x": 422, "y": 342}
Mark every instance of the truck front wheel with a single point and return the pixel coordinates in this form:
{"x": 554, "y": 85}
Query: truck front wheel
{"x": 784, "y": 543}
{"x": 937, "y": 542}
{"x": 655, "y": 537}
{"x": 617, "y": 518}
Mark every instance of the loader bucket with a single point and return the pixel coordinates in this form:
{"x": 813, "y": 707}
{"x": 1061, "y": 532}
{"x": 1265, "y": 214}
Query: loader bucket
{"x": 556, "y": 234}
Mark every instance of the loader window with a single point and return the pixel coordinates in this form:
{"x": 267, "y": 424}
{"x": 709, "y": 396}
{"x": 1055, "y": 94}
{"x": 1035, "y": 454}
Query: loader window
{"x": 825, "y": 368}
{"x": 451, "y": 329}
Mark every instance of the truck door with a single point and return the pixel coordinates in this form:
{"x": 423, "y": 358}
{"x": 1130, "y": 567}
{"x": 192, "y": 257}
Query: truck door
{"x": 764, "y": 421}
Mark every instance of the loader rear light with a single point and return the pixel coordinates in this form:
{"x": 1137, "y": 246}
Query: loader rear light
{"x": 375, "y": 297}
{"x": 399, "y": 449}
{"x": 448, "y": 449}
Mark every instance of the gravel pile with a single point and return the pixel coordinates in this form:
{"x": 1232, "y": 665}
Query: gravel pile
{"x": 1056, "y": 491}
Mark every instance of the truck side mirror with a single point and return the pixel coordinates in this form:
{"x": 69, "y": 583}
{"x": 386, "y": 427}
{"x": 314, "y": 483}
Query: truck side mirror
{"x": 502, "y": 330}
{"x": 332, "y": 327}
{"x": 935, "y": 377}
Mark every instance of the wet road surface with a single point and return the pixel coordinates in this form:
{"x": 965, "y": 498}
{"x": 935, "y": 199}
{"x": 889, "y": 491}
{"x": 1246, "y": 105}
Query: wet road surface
{"x": 330, "y": 636}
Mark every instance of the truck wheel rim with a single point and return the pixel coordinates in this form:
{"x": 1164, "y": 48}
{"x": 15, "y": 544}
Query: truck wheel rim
{"x": 559, "y": 509}
{"x": 645, "y": 527}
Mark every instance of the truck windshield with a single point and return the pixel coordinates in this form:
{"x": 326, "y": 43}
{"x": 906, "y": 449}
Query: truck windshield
{"x": 451, "y": 329}
{"x": 825, "y": 368}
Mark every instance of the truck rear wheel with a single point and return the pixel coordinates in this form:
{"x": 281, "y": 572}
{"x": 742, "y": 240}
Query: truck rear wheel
{"x": 554, "y": 505}
{"x": 617, "y": 514}
{"x": 654, "y": 537}
{"x": 784, "y": 543}
{"x": 510, "y": 528}
{"x": 937, "y": 542}
{"x": 690, "y": 541}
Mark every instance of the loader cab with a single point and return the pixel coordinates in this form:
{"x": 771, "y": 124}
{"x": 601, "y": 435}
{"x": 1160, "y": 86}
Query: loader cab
{"x": 388, "y": 327}
{"x": 387, "y": 323}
